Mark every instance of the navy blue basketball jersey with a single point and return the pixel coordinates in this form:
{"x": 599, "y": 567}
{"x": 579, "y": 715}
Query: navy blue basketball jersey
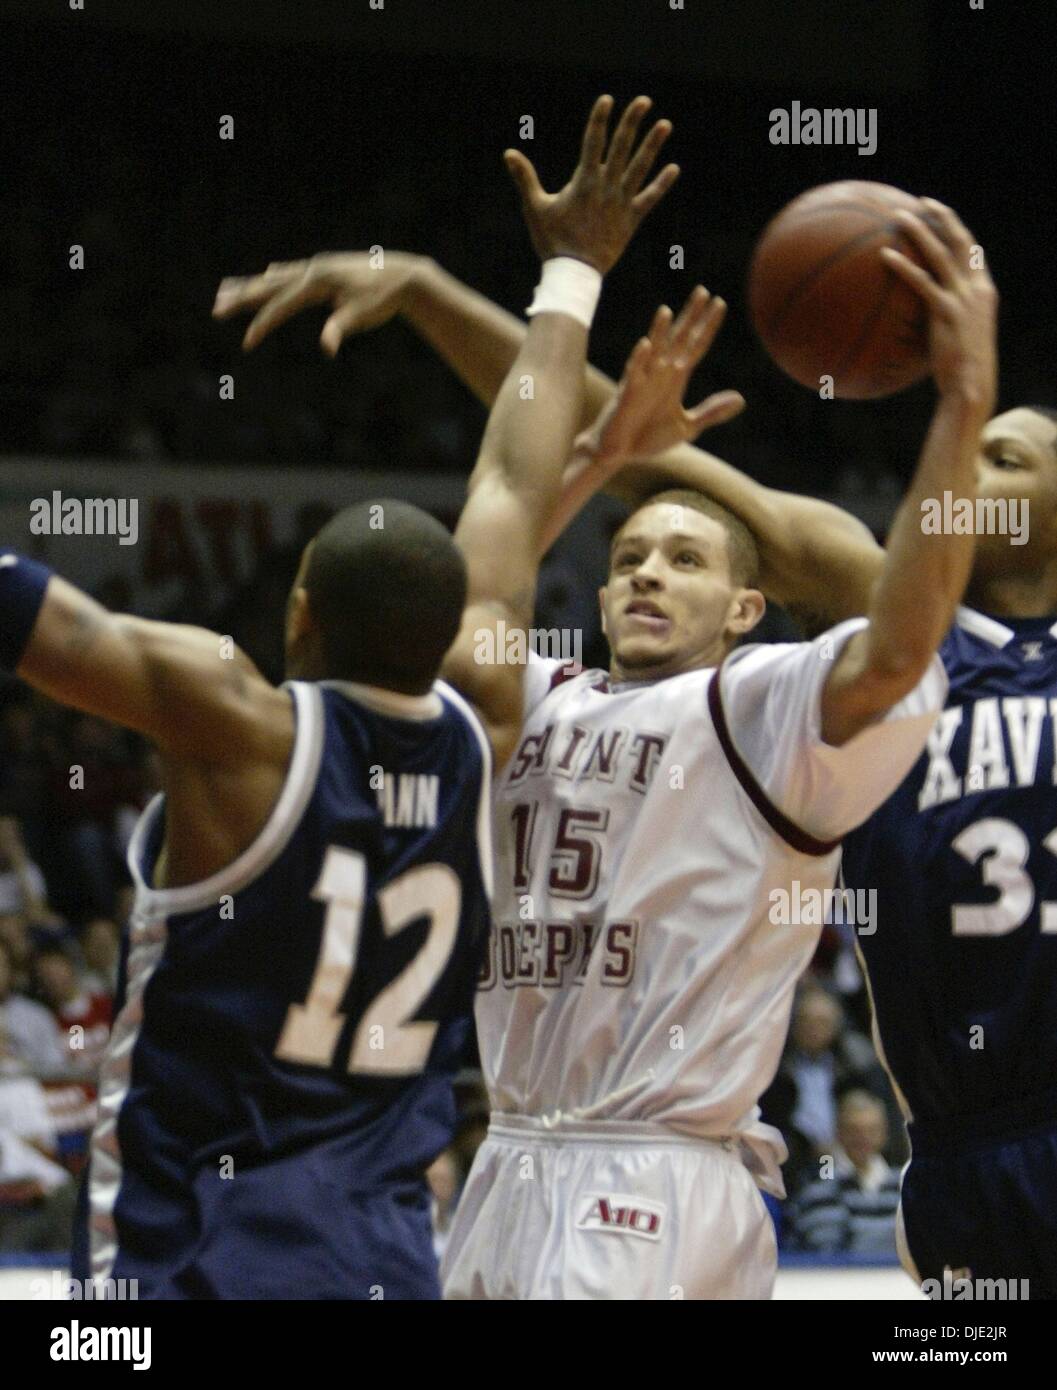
{"x": 279, "y": 1073}
{"x": 962, "y": 962}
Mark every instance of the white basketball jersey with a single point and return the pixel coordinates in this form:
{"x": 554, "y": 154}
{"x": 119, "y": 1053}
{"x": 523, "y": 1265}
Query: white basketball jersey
{"x": 641, "y": 966}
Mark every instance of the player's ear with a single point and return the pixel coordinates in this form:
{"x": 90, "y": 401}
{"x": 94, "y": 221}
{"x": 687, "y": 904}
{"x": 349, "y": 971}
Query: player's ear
{"x": 298, "y": 616}
{"x": 747, "y": 608}
{"x": 602, "y": 609}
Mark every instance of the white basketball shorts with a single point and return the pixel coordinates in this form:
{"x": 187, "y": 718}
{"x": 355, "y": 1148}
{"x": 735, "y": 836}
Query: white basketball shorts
{"x": 608, "y": 1210}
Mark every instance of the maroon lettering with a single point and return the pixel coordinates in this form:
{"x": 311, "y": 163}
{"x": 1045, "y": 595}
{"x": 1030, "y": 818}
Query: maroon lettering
{"x": 565, "y": 765}
{"x": 528, "y": 961}
{"x": 559, "y": 949}
{"x": 588, "y": 933}
{"x": 486, "y": 975}
{"x": 652, "y": 748}
{"x": 620, "y": 953}
{"x": 602, "y": 759}
{"x": 507, "y": 954}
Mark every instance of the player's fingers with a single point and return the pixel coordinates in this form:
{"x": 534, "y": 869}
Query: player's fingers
{"x": 238, "y": 293}
{"x": 342, "y": 323}
{"x": 594, "y": 141}
{"x": 660, "y": 325}
{"x": 624, "y": 137}
{"x": 646, "y": 156}
{"x": 280, "y": 307}
{"x": 691, "y": 318}
{"x": 522, "y": 172}
{"x": 715, "y": 410}
{"x": 919, "y": 280}
{"x": 704, "y": 333}
{"x": 652, "y": 194}
{"x": 639, "y": 360}
{"x": 937, "y": 255}
{"x": 951, "y": 227}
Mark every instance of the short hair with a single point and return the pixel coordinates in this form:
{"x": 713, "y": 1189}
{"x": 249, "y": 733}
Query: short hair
{"x": 742, "y": 555}
{"x": 386, "y": 588}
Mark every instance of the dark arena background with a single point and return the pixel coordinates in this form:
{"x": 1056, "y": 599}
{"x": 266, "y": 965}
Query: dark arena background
{"x": 150, "y": 148}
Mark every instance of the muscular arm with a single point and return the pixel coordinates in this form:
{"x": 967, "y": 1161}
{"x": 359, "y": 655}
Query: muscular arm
{"x": 190, "y": 691}
{"x": 925, "y": 575}
{"x": 512, "y": 491}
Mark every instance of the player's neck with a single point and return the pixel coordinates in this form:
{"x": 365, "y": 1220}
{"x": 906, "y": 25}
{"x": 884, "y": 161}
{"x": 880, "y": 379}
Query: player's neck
{"x": 620, "y": 675}
{"x": 1015, "y": 596}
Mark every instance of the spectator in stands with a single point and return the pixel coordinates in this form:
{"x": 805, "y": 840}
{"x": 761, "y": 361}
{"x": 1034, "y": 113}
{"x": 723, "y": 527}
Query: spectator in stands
{"x": 83, "y": 1016}
{"x": 823, "y": 1059}
{"x": 852, "y": 1207}
{"x": 101, "y": 948}
{"x": 22, "y": 887}
{"x": 37, "y": 1195}
{"x": 443, "y": 1178}
{"x": 14, "y": 934}
{"x": 32, "y": 1034}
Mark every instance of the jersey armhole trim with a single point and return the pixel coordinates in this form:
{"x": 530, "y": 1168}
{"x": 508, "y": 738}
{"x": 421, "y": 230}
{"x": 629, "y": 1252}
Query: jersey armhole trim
{"x": 276, "y": 833}
{"x": 484, "y": 802}
{"x": 782, "y": 826}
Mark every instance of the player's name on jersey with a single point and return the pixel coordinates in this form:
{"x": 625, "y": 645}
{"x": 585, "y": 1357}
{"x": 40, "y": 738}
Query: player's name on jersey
{"x": 989, "y": 761}
{"x": 574, "y": 752}
{"x": 85, "y": 516}
{"x": 407, "y": 800}
{"x": 555, "y": 954}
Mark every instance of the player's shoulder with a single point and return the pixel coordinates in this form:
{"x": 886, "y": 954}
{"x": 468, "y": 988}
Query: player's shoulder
{"x": 544, "y": 676}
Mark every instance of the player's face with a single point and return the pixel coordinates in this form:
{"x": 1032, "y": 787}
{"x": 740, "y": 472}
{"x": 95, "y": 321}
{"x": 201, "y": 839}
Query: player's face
{"x": 1018, "y": 462}
{"x": 671, "y": 604}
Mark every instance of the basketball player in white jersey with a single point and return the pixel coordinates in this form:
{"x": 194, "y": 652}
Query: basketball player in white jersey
{"x": 640, "y": 980}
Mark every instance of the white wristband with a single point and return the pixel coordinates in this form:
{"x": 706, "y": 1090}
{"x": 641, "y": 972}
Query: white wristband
{"x": 567, "y": 286}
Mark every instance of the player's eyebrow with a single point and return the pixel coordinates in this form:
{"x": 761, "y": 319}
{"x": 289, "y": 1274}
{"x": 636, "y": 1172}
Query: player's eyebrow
{"x": 679, "y": 536}
{"x": 1002, "y": 441}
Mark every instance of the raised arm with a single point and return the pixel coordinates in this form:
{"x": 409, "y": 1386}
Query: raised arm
{"x": 579, "y": 233}
{"x": 924, "y": 576}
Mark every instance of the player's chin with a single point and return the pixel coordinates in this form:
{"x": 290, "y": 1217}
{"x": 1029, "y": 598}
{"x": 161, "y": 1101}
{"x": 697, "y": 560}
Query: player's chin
{"x": 645, "y": 656}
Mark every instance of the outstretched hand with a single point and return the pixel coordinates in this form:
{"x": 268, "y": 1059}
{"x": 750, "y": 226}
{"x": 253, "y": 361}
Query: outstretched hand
{"x": 595, "y": 215}
{"x": 646, "y": 416}
{"x": 361, "y": 291}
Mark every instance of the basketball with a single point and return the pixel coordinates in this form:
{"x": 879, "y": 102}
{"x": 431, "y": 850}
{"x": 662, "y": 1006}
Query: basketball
{"x": 823, "y": 301}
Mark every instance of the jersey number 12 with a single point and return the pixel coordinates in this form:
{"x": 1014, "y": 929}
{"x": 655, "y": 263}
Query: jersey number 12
{"x": 384, "y": 1044}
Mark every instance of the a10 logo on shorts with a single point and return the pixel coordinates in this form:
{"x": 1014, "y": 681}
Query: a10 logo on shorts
{"x": 633, "y": 1216}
